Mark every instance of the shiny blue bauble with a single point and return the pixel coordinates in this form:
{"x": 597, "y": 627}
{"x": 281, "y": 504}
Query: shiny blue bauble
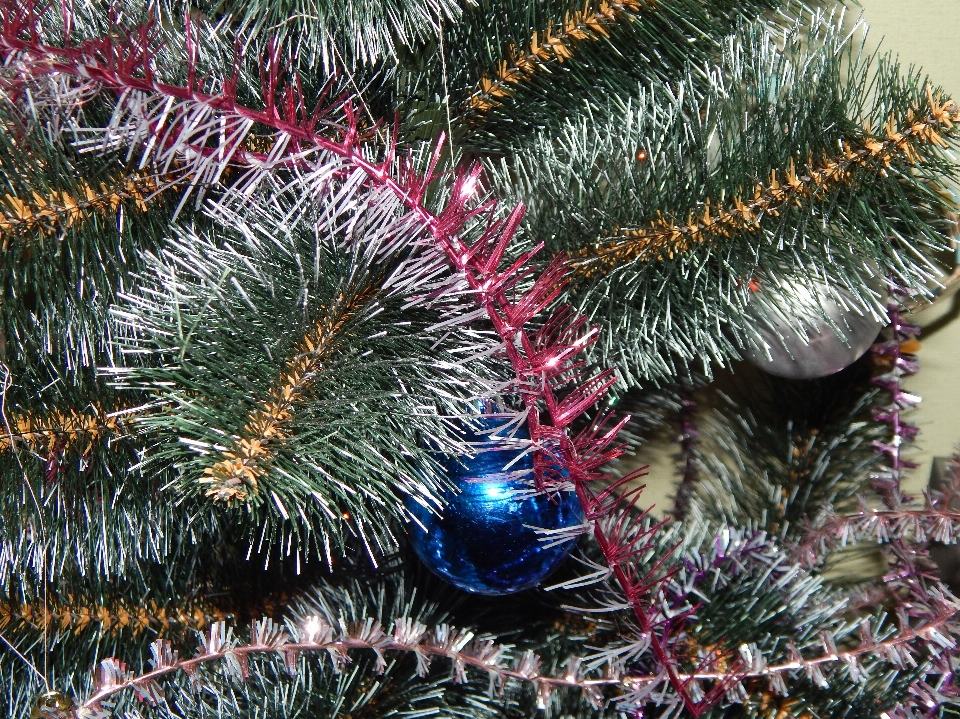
{"x": 485, "y": 541}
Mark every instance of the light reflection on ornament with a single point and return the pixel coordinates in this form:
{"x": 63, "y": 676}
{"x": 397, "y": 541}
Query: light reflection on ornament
{"x": 494, "y": 490}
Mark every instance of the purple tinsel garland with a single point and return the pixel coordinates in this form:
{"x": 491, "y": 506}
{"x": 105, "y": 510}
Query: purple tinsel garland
{"x": 888, "y": 479}
{"x": 911, "y": 580}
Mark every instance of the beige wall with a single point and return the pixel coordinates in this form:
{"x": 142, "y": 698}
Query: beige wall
{"x": 926, "y": 34}
{"x": 923, "y": 32}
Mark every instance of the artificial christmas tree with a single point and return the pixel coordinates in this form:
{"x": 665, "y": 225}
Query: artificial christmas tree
{"x": 264, "y": 262}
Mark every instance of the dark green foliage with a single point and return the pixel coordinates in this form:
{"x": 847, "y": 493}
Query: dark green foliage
{"x": 330, "y": 36}
{"x": 778, "y": 452}
{"x": 762, "y": 108}
{"x": 63, "y": 266}
{"x": 320, "y": 686}
{"x": 220, "y": 395}
{"x": 649, "y": 43}
{"x": 298, "y": 347}
{"x": 747, "y": 598}
{"x": 76, "y": 218}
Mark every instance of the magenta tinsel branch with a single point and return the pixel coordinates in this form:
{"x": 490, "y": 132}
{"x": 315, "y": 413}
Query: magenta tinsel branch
{"x": 624, "y": 539}
{"x": 205, "y": 132}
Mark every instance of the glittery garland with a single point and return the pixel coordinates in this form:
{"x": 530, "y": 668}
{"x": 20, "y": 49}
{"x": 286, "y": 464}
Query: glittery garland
{"x": 898, "y": 355}
{"x": 912, "y": 580}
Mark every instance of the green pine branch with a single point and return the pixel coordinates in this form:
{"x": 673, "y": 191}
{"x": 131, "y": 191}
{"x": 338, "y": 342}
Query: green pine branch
{"x": 671, "y": 203}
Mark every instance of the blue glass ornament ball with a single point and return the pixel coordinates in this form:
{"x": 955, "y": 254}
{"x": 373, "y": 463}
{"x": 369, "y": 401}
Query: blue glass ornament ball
{"x": 486, "y": 542}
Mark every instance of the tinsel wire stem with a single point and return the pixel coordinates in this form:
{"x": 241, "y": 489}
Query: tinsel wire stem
{"x": 555, "y": 43}
{"x": 118, "y": 680}
{"x": 667, "y": 237}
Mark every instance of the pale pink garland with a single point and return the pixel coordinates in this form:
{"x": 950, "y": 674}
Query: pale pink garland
{"x": 461, "y": 648}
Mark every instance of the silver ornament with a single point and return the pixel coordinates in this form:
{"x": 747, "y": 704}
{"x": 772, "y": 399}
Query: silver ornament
{"x": 809, "y": 330}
